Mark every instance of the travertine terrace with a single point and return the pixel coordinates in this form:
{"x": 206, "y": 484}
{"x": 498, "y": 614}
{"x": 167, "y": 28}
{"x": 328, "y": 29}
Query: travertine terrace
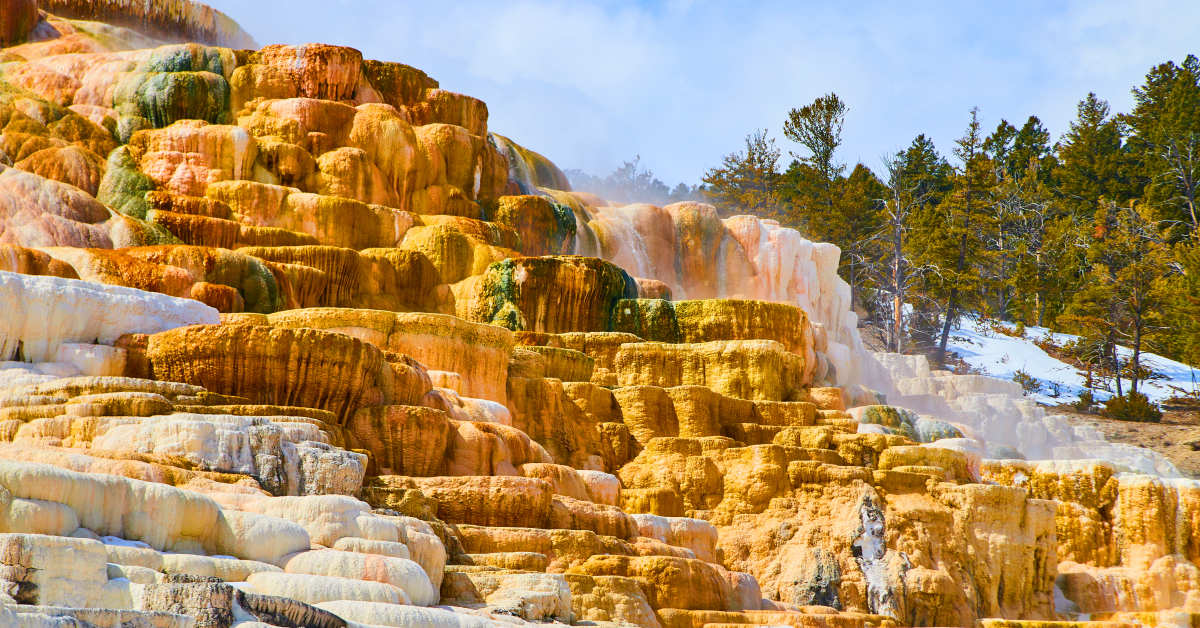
{"x": 292, "y": 338}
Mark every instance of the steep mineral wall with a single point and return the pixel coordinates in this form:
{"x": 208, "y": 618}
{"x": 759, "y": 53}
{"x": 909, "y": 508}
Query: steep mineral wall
{"x": 170, "y": 20}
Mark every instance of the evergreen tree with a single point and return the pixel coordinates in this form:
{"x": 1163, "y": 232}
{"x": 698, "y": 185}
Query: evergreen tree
{"x": 747, "y": 182}
{"x": 1024, "y": 211}
{"x": 1091, "y": 159}
{"x": 1031, "y": 146}
{"x": 965, "y": 218}
{"x": 1021, "y": 215}
{"x": 928, "y": 174}
{"x": 808, "y": 201}
{"x": 926, "y": 169}
{"x": 1063, "y": 261}
{"x": 813, "y": 178}
{"x": 1165, "y": 139}
{"x": 1010, "y": 205}
{"x": 822, "y": 203}
{"x": 856, "y": 221}
{"x": 1091, "y": 166}
{"x": 1141, "y": 283}
{"x": 1184, "y": 304}
{"x": 1124, "y": 287}
{"x": 1000, "y": 144}
{"x": 818, "y": 128}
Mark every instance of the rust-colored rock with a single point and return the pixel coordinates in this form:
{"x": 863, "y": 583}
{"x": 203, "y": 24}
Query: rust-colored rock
{"x": 403, "y": 440}
{"x": 477, "y": 353}
{"x": 303, "y": 367}
{"x": 547, "y": 294}
{"x": 19, "y": 259}
{"x": 19, "y": 18}
{"x": 746, "y": 369}
{"x": 490, "y": 501}
{"x": 316, "y": 70}
{"x": 75, "y": 165}
{"x": 668, "y": 582}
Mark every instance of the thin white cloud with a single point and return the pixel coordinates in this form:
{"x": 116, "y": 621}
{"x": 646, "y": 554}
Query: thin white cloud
{"x": 590, "y": 83}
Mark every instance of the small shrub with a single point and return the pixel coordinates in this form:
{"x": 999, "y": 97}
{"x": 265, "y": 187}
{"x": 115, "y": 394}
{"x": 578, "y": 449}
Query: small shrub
{"x": 1133, "y": 407}
{"x": 1055, "y": 390}
{"x": 1086, "y": 401}
{"x": 1029, "y": 383}
{"x": 1002, "y": 329}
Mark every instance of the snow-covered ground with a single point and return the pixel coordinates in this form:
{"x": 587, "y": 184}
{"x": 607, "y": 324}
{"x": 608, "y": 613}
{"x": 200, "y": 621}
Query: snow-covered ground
{"x": 1002, "y": 356}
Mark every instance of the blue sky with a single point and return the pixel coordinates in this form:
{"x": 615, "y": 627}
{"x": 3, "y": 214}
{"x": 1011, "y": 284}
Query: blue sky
{"x": 590, "y": 84}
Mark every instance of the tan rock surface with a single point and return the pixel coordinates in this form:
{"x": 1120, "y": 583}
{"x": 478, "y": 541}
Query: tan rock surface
{"x": 573, "y": 446}
{"x": 276, "y": 366}
{"x": 477, "y": 353}
{"x": 746, "y": 369}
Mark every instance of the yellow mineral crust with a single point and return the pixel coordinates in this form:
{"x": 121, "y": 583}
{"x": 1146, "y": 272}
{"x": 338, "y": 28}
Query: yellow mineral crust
{"x": 419, "y": 314}
{"x": 746, "y": 369}
{"x": 478, "y": 353}
{"x": 304, "y": 367}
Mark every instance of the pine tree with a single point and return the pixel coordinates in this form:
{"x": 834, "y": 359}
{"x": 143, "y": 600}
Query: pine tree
{"x": 1091, "y": 167}
{"x": 818, "y": 128}
{"x": 807, "y": 201}
{"x": 856, "y": 222}
{"x": 813, "y": 178}
{"x": 747, "y": 182}
{"x": 1184, "y": 304}
{"x": 1000, "y": 144}
{"x": 825, "y": 205}
{"x": 1010, "y": 206}
{"x": 1124, "y": 287}
{"x": 1031, "y": 146}
{"x": 1063, "y": 262}
{"x": 1142, "y": 282}
{"x": 1091, "y": 159}
{"x": 928, "y": 175}
{"x": 965, "y": 214}
{"x": 925, "y": 168}
{"x": 1165, "y": 139}
{"x": 1024, "y": 209}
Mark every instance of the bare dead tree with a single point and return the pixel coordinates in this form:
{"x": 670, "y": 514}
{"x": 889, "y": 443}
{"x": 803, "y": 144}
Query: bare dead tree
{"x": 1138, "y": 292}
{"x": 894, "y": 272}
{"x": 1182, "y": 156}
{"x": 1024, "y": 211}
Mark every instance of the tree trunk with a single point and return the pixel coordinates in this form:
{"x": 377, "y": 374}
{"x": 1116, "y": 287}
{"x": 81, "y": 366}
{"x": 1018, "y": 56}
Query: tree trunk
{"x": 1189, "y": 190}
{"x": 1116, "y": 365}
{"x": 1191, "y": 201}
{"x": 853, "y": 280}
{"x": 1137, "y": 353}
{"x": 1037, "y": 291}
{"x": 898, "y": 281}
{"x": 898, "y": 323}
{"x": 952, "y": 302}
{"x": 951, "y": 305}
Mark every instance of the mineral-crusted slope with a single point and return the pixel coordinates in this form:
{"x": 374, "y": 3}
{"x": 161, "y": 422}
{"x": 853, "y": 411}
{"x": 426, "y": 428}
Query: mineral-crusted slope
{"x": 291, "y": 338}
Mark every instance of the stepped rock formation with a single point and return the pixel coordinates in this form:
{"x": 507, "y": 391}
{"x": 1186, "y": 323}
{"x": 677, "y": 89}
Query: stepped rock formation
{"x": 291, "y": 338}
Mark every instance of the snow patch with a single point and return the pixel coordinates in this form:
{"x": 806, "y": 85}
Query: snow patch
{"x": 1001, "y": 356}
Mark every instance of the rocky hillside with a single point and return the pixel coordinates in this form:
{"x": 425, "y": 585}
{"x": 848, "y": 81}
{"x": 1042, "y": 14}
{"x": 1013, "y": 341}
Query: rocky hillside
{"x": 291, "y": 338}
